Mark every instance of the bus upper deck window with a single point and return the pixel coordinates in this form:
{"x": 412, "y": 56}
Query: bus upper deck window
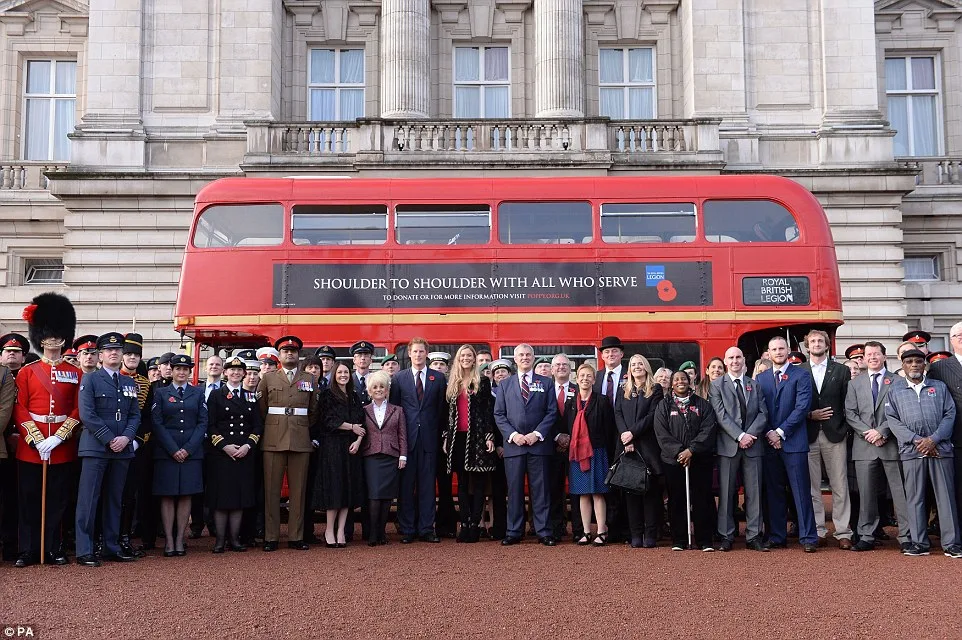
{"x": 749, "y": 221}
{"x": 544, "y": 222}
{"x": 443, "y": 224}
{"x": 241, "y": 225}
{"x": 339, "y": 224}
{"x": 652, "y": 222}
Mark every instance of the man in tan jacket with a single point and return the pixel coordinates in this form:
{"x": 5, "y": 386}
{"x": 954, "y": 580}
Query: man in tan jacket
{"x": 288, "y": 401}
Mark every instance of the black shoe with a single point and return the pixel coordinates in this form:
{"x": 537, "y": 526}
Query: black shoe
{"x": 407, "y": 539}
{"x": 429, "y": 537}
{"x": 270, "y": 546}
{"x": 120, "y": 556}
{"x": 129, "y": 550}
{"x": 905, "y": 546}
{"x": 237, "y": 546}
{"x": 548, "y": 541}
{"x": 218, "y": 548}
{"x": 881, "y": 535}
{"x": 88, "y": 561}
{"x": 810, "y": 548}
{"x": 181, "y": 552}
{"x": 58, "y": 558}
{"x": 312, "y": 539}
{"x": 24, "y": 560}
{"x": 648, "y": 542}
{"x": 725, "y": 545}
{"x": 300, "y": 545}
{"x": 170, "y": 554}
{"x": 863, "y": 545}
{"x": 510, "y": 540}
{"x": 756, "y": 545}
{"x": 372, "y": 543}
{"x": 637, "y": 543}
{"x": 777, "y": 545}
{"x": 341, "y": 545}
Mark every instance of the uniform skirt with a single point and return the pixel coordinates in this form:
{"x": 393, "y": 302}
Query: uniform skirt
{"x": 231, "y": 483}
{"x": 583, "y": 483}
{"x": 172, "y": 478}
{"x": 382, "y": 476}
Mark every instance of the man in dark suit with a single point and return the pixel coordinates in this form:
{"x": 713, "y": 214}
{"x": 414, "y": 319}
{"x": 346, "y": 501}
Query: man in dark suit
{"x": 420, "y": 392}
{"x": 563, "y": 389}
{"x": 110, "y": 416}
{"x": 743, "y": 422}
{"x": 874, "y": 447}
{"x": 525, "y": 411}
{"x": 787, "y": 390}
{"x": 827, "y": 432}
{"x": 608, "y": 383}
{"x": 949, "y": 371}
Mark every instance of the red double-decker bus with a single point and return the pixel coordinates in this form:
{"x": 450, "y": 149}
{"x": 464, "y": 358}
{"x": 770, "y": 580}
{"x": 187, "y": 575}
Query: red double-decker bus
{"x": 679, "y": 268}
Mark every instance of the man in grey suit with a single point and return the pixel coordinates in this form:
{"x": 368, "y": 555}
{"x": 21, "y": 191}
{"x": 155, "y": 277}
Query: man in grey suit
{"x": 921, "y": 414}
{"x": 874, "y": 449}
{"x": 743, "y": 419}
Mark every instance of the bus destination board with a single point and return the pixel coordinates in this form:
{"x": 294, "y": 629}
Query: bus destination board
{"x": 791, "y": 291}
{"x": 504, "y": 284}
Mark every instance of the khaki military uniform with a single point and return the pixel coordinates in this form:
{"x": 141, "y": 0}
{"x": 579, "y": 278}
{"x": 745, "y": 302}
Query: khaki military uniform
{"x": 289, "y": 409}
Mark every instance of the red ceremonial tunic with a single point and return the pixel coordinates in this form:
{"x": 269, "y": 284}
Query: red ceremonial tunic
{"x": 34, "y": 398}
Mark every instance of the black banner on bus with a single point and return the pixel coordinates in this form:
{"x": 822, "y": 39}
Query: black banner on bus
{"x": 792, "y": 291}
{"x": 509, "y": 284}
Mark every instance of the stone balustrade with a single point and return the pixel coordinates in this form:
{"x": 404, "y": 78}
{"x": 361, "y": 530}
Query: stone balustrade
{"x": 515, "y": 140}
{"x": 25, "y": 176}
{"x": 937, "y": 172}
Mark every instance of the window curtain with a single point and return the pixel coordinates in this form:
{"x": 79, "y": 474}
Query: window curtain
{"x": 62, "y": 125}
{"x": 352, "y": 104}
{"x": 496, "y": 64}
{"x": 322, "y": 105}
{"x": 322, "y": 66}
{"x": 924, "y": 130}
{"x": 467, "y": 64}
{"x": 611, "y": 66}
{"x": 37, "y": 144}
{"x": 352, "y": 66}
{"x": 496, "y": 102}
{"x": 640, "y": 65}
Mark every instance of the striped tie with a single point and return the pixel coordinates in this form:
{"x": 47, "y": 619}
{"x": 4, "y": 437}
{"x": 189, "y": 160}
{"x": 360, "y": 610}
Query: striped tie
{"x": 525, "y": 392}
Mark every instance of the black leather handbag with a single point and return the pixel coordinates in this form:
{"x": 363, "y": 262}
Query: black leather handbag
{"x": 629, "y": 473}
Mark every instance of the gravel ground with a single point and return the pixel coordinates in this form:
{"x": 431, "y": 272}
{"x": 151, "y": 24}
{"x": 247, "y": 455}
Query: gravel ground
{"x": 486, "y": 591}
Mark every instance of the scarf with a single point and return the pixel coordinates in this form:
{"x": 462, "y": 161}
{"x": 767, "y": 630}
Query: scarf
{"x": 580, "y": 450}
{"x": 681, "y": 403}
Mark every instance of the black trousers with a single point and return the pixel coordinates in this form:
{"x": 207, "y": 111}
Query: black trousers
{"x": 701, "y": 502}
{"x": 499, "y": 500}
{"x": 252, "y": 522}
{"x": 30, "y": 485}
{"x": 644, "y": 511}
{"x": 135, "y": 498}
{"x": 309, "y": 517}
{"x": 470, "y": 484}
{"x": 8, "y": 507}
{"x": 556, "y": 510}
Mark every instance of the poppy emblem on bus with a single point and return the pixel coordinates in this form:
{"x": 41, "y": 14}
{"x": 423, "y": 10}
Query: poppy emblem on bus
{"x": 666, "y": 291}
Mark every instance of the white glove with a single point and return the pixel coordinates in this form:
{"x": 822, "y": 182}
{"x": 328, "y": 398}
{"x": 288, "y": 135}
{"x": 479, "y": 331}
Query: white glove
{"x": 48, "y": 445}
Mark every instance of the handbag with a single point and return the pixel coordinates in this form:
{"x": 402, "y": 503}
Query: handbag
{"x": 629, "y": 473}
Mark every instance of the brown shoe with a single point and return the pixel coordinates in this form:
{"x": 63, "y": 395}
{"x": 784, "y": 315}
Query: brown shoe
{"x": 845, "y": 544}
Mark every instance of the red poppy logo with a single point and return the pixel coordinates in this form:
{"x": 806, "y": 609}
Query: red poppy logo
{"x": 431, "y": 378}
{"x": 887, "y": 381}
{"x": 931, "y": 391}
{"x": 784, "y": 377}
{"x": 171, "y": 399}
{"x": 748, "y": 387}
{"x": 230, "y": 396}
{"x": 666, "y": 291}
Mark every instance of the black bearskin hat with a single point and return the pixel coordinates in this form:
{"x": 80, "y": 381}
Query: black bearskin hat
{"x": 51, "y": 315}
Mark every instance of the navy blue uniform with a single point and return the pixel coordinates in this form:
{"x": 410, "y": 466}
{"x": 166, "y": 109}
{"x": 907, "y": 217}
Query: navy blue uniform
{"x": 180, "y": 422}
{"x": 108, "y": 409}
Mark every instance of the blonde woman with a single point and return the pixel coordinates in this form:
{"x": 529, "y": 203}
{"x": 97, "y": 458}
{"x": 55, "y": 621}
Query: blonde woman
{"x": 761, "y": 366}
{"x": 469, "y": 438}
{"x": 635, "y": 420}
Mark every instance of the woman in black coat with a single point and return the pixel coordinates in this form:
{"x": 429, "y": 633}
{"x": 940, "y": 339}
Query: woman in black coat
{"x": 635, "y": 418}
{"x": 591, "y": 423}
{"x": 339, "y": 430}
{"x": 468, "y": 441}
{"x": 685, "y": 427}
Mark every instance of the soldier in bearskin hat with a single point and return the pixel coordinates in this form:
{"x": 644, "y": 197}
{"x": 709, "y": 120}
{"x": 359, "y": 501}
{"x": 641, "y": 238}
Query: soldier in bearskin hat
{"x": 46, "y": 415}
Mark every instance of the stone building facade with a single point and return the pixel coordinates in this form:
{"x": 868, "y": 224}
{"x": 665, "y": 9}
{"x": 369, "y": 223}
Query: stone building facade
{"x": 115, "y": 112}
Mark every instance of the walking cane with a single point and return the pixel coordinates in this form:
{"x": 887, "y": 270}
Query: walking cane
{"x": 688, "y": 503}
{"x": 43, "y": 513}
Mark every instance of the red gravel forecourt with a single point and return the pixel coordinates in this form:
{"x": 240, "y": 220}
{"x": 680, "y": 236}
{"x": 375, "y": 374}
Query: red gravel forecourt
{"x": 483, "y": 590}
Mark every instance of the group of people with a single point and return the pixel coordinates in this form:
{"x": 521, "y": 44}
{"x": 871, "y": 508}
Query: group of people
{"x": 103, "y": 439}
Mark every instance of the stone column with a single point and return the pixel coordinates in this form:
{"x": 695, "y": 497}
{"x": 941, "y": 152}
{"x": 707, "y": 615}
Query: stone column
{"x": 405, "y": 58}
{"x": 849, "y": 62}
{"x": 559, "y": 59}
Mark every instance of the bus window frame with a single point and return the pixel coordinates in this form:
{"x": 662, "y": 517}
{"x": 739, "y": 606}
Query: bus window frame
{"x": 393, "y": 221}
{"x": 289, "y": 212}
{"x": 200, "y": 211}
{"x": 800, "y": 240}
{"x": 694, "y": 202}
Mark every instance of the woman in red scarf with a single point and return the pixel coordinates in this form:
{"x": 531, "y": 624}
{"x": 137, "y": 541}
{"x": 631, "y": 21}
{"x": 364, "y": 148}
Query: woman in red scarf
{"x": 591, "y": 421}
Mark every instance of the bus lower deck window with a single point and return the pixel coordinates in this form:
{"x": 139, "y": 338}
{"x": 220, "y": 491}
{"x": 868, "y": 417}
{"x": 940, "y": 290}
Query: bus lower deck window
{"x": 339, "y": 224}
{"x": 241, "y": 225}
{"x": 649, "y": 222}
{"x": 749, "y": 221}
{"x": 544, "y": 222}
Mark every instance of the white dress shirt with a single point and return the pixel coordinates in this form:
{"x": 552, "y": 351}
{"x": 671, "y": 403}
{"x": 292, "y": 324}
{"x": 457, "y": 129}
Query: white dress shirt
{"x": 380, "y": 412}
{"x": 818, "y": 372}
{"x": 615, "y": 379}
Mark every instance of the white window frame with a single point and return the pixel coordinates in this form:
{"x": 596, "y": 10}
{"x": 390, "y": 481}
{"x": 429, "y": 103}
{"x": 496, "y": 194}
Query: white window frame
{"x": 52, "y": 98}
{"x": 936, "y": 266}
{"x": 480, "y": 82}
{"x": 625, "y": 85}
{"x": 337, "y": 85}
{"x": 937, "y": 92}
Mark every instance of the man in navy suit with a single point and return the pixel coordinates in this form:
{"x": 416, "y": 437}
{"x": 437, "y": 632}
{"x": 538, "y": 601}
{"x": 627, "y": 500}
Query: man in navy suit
{"x": 525, "y": 411}
{"x": 788, "y": 396}
{"x": 419, "y": 391}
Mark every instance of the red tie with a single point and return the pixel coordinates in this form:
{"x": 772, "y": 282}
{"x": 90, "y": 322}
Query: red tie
{"x": 561, "y": 400}
{"x": 525, "y": 390}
